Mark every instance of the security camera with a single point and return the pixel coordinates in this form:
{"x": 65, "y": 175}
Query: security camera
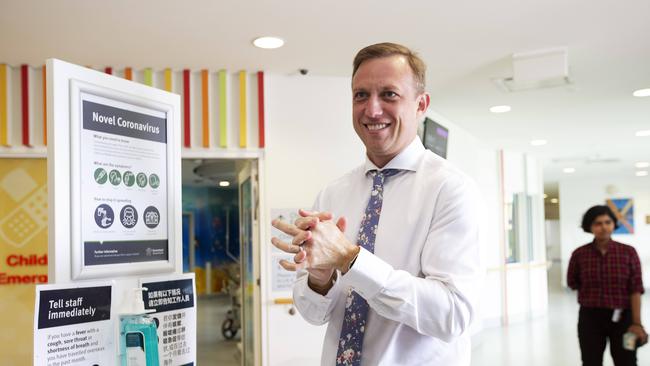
{"x": 303, "y": 71}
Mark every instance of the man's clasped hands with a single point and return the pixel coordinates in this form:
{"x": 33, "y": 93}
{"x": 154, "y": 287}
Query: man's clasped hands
{"x": 319, "y": 246}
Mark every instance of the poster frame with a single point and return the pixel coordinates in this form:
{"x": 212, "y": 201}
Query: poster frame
{"x": 66, "y": 84}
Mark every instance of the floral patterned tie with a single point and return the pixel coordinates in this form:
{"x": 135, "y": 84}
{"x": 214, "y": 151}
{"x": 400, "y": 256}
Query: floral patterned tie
{"x": 356, "y": 307}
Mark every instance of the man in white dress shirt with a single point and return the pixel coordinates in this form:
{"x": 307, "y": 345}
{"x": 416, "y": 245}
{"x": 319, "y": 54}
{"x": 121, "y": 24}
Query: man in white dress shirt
{"x": 415, "y": 270}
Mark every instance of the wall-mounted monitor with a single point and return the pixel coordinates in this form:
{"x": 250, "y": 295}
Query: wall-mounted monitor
{"x": 435, "y": 137}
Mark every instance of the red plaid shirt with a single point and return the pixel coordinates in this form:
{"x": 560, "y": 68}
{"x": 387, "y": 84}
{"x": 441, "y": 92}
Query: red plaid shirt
{"x": 605, "y": 281}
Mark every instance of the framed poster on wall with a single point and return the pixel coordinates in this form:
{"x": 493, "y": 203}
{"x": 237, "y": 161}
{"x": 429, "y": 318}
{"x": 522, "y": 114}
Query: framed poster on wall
{"x": 122, "y": 166}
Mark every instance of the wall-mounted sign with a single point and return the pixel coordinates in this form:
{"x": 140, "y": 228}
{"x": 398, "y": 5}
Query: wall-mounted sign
{"x": 174, "y": 299}
{"x": 281, "y": 279}
{"x": 73, "y": 325}
{"x": 113, "y": 175}
{"x": 123, "y": 182}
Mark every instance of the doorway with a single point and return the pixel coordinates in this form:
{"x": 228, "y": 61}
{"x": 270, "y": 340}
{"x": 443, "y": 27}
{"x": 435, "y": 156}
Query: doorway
{"x": 221, "y": 242}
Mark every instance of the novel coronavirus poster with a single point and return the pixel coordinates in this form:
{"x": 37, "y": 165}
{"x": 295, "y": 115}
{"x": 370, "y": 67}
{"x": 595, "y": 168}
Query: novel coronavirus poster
{"x": 123, "y": 180}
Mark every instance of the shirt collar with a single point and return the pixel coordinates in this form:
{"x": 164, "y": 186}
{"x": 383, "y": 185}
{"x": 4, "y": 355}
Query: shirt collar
{"x": 407, "y": 159}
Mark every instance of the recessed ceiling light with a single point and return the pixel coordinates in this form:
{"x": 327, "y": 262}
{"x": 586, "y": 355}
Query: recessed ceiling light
{"x": 642, "y": 173}
{"x": 545, "y": 196}
{"x": 643, "y": 133}
{"x": 642, "y": 93}
{"x": 268, "y": 42}
{"x": 500, "y": 109}
{"x": 569, "y": 170}
{"x": 224, "y": 183}
{"x": 538, "y": 142}
{"x": 642, "y": 164}
{"x": 554, "y": 200}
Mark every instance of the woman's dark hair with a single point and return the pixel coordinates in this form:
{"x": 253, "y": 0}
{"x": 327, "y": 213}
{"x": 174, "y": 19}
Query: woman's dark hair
{"x": 591, "y": 215}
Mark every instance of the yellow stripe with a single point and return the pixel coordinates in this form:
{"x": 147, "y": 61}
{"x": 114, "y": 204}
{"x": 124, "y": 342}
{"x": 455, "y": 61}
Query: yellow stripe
{"x": 3, "y": 106}
{"x": 242, "y": 108}
{"x": 148, "y": 76}
{"x": 223, "y": 130}
{"x": 206, "y": 109}
{"x": 168, "y": 80}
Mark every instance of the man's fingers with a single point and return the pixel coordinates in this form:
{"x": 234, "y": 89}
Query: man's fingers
{"x": 306, "y": 223}
{"x": 322, "y": 216}
{"x": 285, "y": 227}
{"x": 289, "y": 266}
{"x": 300, "y": 257}
{"x": 341, "y": 223}
{"x": 285, "y": 247}
{"x": 301, "y": 238}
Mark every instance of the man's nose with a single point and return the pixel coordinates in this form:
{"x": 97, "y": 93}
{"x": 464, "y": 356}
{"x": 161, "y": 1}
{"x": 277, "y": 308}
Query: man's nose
{"x": 374, "y": 108}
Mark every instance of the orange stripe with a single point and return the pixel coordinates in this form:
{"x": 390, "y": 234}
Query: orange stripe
{"x": 206, "y": 108}
{"x": 128, "y": 73}
{"x": 44, "y": 106}
{"x": 4, "y": 126}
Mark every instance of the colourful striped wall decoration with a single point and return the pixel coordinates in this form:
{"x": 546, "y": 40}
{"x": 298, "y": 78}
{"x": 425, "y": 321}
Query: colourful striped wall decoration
{"x": 223, "y": 122}
{"x": 242, "y": 109}
{"x": 168, "y": 80}
{"x": 108, "y": 70}
{"x": 260, "y": 107}
{"x": 128, "y": 73}
{"x": 148, "y": 76}
{"x": 5, "y": 130}
{"x": 206, "y": 108}
{"x": 44, "y": 106}
{"x": 187, "y": 141}
{"x": 24, "y": 81}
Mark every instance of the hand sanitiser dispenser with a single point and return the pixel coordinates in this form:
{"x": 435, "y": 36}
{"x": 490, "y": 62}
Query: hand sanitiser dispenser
{"x": 138, "y": 336}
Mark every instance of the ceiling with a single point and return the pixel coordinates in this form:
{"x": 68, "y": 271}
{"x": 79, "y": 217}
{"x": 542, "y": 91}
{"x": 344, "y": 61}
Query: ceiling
{"x": 464, "y": 43}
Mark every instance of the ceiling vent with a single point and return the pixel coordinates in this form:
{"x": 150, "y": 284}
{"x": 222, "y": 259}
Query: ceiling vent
{"x": 539, "y": 69}
{"x": 593, "y": 159}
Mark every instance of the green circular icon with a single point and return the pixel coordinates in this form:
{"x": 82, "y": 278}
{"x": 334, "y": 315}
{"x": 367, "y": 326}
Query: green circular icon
{"x": 115, "y": 177}
{"x": 141, "y": 179}
{"x": 154, "y": 181}
{"x": 128, "y": 178}
{"x": 100, "y": 175}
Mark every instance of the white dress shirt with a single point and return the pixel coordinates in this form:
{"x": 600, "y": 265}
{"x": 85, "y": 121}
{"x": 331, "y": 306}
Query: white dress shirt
{"x": 420, "y": 281}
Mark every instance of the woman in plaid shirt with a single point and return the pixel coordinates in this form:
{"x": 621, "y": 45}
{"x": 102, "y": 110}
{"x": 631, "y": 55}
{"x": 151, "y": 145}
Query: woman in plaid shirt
{"x": 607, "y": 275}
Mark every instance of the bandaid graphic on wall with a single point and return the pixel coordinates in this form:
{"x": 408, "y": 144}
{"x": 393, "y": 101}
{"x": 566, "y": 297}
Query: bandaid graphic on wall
{"x": 24, "y": 222}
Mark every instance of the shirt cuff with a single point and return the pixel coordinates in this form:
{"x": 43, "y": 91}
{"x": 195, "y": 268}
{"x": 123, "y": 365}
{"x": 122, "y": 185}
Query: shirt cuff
{"x": 368, "y": 275}
{"x": 314, "y": 297}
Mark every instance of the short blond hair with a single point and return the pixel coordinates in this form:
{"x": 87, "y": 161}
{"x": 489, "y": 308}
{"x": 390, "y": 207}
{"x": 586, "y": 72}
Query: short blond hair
{"x": 387, "y": 49}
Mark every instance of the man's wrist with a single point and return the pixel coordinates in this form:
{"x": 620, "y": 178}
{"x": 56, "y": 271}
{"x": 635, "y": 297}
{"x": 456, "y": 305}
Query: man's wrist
{"x": 322, "y": 289}
{"x": 348, "y": 259}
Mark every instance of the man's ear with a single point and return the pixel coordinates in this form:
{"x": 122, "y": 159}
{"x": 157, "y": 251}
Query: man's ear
{"x": 423, "y": 103}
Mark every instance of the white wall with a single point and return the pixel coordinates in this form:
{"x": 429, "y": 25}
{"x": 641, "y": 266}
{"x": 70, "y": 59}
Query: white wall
{"x": 578, "y": 194}
{"x": 309, "y": 142}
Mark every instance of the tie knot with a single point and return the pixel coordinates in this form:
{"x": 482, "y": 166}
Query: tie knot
{"x": 379, "y": 176}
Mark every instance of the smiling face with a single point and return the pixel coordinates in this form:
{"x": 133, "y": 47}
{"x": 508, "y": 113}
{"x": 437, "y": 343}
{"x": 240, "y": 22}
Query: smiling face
{"x": 386, "y": 106}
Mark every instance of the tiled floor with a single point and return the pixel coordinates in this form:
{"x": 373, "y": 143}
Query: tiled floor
{"x": 213, "y": 348}
{"x": 546, "y": 341}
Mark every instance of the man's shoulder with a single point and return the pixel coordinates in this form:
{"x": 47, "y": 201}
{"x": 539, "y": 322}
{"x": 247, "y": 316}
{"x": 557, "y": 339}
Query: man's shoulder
{"x": 443, "y": 170}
